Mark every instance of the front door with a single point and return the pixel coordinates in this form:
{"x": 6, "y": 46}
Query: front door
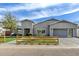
{"x": 26, "y": 31}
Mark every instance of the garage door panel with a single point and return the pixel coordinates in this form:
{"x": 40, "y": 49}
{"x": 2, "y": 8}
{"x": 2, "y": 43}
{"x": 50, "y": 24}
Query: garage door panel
{"x": 60, "y": 32}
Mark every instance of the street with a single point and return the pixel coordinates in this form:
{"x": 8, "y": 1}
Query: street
{"x": 36, "y": 50}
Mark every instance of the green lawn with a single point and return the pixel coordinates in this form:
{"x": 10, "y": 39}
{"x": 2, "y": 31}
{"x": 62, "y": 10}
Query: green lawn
{"x": 45, "y": 42}
{"x": 8, "y": 39}
{"x": 40, "y": 42}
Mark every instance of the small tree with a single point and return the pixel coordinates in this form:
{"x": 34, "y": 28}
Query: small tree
{"x": 9, "y": 21}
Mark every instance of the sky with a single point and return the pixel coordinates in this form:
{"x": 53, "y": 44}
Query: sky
{"x": 38, "y": 12}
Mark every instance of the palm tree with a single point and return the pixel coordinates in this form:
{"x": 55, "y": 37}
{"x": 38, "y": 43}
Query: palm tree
{"x": 9, "y": 21}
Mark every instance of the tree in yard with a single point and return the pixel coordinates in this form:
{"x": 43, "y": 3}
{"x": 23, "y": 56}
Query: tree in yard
{"x": 9, "y": 21}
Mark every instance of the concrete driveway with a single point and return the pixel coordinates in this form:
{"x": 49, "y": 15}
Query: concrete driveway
{"x": 72, "y": 42}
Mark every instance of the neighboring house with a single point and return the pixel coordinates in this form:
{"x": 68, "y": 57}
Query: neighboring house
{"x": 2, "y": 30}
{"x": 56, "y": 28}
{"x": 19, "y": 27}
{"x": 26, "y": 27}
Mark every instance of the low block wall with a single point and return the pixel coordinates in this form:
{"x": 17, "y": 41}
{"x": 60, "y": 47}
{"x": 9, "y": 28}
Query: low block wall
{"x": 41, "y": 40}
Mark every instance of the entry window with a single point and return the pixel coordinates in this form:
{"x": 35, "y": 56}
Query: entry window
{"x": 38, "y": 31}
{"x": 41, "y": 32}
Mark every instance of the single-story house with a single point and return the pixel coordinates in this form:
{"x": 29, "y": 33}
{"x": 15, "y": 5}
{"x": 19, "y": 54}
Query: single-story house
{"x": 55, "y": 27}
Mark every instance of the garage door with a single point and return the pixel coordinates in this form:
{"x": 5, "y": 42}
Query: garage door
{"x": 60, "y": 32}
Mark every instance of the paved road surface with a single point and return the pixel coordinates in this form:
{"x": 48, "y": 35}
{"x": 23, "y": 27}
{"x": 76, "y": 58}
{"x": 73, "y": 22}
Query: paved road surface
{"x": 32, "y": 50}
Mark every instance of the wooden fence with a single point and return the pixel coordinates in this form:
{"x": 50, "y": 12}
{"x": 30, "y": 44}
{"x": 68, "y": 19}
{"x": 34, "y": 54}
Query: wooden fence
{"x": 41, "y": 40}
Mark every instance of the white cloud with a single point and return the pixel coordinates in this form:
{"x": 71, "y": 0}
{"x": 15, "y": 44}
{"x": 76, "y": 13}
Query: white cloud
{"x": 39, "y": 5}
{"x": 2, "y": 9}
{"x": 71, "y": 11}
{"x": 31, "y": 6}
{"x": 21, "y": 18}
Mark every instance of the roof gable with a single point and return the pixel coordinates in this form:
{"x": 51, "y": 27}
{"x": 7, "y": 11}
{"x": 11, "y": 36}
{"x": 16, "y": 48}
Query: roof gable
{"x": 55, "y": 20}
{"x": 64, "y": 21}
{"x": 27, "y": 20}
